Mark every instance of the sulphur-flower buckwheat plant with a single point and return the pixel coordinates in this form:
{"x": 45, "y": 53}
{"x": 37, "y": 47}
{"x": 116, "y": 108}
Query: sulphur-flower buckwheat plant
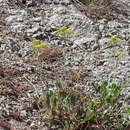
{"x": 64, "y": 32}
{"x": 37, "y": 46}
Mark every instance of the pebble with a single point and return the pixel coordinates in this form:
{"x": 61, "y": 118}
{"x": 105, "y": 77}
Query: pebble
{"x": 59, "y": 13}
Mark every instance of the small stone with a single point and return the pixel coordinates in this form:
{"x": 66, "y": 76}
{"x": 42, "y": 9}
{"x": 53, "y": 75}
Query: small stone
{"x": 14, "y": 45}
{"x": 33, "y": 30}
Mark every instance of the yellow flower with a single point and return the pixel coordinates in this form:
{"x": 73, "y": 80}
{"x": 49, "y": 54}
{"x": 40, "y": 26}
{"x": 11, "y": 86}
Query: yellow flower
{"x": 120, "y": 53}
{"x": 37, "y": 41}
{"x": 114, "y": 39}
{"x": 44, "y": 45}
{"x": 39, "y": 46}
{"x": 61, "y": 33}
{"x": 63, "y": 28}
{"x": 69, "y": 31}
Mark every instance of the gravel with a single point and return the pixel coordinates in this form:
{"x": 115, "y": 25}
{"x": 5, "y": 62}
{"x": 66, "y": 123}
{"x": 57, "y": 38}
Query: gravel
{"x": 87, "y": 51}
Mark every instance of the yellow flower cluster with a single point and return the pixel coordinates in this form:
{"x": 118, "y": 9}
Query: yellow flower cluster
{"x": 63, "y": 30}
{"x": 120, "y": 53}
{"x": 114, "y": 39}
{"x": 38, "y": 44}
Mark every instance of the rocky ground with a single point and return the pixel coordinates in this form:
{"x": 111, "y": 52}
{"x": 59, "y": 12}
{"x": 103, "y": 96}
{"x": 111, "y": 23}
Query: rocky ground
{"x": 88, "y": 51}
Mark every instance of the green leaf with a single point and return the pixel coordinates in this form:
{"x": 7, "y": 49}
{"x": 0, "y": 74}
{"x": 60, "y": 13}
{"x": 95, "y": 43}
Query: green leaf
{"x": 59, "y": 128}
{"x": 97, "y": 88}
{"x": 73, "y": 98}
{"x": 67, "y": 125}
{"x": 101, "y": 102}
{"x": 127, "y": 111}
{"x": 114, "y": 86}
{"x": 116, "y": 93}
{"x": 111, "y": 91}
{"x": 72, "y": 126}
{"x": 75, "y": 94}
{"x": 112, "y": 101}
{"x": 66, "y": 95}
{"x": 36, "y": 99}
{"x": 53, "y": 113}
{"x": 66, "y": 107}
{"x": 90, "y": 105}
{"x": 48, "y": 99}
{"x": 53, "y": 98}
{"x": 104, "y": 84}
{"x": 120, "y": 104}
{"x": 118, "y": 87}
{"x": 61, "y": 85}
{"x": 51, "y": 93}
{"x": 106, "y": 118}
{"x": 42, "y": 118}
{"x": 39, "y": 99}
{"x": 89, "y": 117}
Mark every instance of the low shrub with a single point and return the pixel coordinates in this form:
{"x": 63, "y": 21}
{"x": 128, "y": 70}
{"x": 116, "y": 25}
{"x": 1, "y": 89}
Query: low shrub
{"x": 76, "y": 110}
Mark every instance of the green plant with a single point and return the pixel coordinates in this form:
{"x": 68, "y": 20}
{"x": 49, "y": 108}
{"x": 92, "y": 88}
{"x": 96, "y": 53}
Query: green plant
{"x": 105, "y": 2}
{"x": 37, "y": 49}
{"x": 77, "y": 74}
{"x": 64, "y": 32}
{"x": 117, "y": 54}
{"x": 114, "y": 45}
{"x": 37, "y": 46}
{"x": 114, "y": 40}
{"x": 75, "y": 110}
